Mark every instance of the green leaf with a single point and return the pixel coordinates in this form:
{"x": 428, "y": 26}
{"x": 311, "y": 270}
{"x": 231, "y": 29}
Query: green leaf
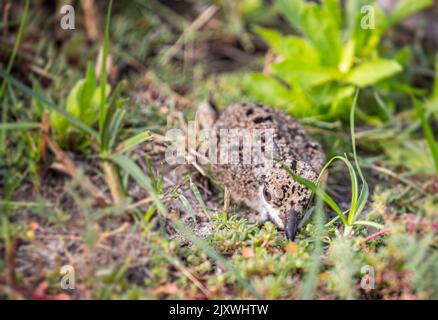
{"x": 332, "y": 9}
{"x": 188, "y": 207}
{"x": 89, "y": 86}
{"x": 198, "y": 197}
{"x": 321, "y": 29}
{"x": 364, "y": 193}
{"x": 292, "y": 10}
{"x": 73, "y": 120}
{"x": 435, "y": 84}
{"x": 347, "y": 57}
{"x": 272, "y": 92}
{"x": 406, "y": 8}
{"x": 366, "y": 40}
{"x": 371, "y": 72}
{"x": 20, "y": 126}
{"x": 353, "y": 14}
{"x": 116, "y": 123}
{"x": 320, "y": 192}
{"x": 18, "y": 38}
{"x": 290, "y": 47}
{"x": 110, "y": 109}
{"x": 319, "y": 23}
{"x": 340, "y": 100}
{"x": 369, "y": 224}
{"x": 137, "y": 174}
{"x": 130, "y": 143}
{"x": 428, "y": 133}
{"x": 103, "y": 80}
{"x": 305, "y": 75}
{"x": 74, "y": 99}
{"x": 267, "y": 90}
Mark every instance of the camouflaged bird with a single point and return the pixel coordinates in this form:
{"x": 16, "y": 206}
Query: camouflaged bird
{"x": 268, "y": 189}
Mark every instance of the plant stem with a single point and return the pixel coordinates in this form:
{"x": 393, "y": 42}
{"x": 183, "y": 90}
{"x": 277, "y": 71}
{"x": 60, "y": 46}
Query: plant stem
{"x": 8, "y": 71}
{"x": 112, "y": 181}
{"x": 102, "y": 111}
{"x": 428, "y": 133}
{"x": 375, "y": 235}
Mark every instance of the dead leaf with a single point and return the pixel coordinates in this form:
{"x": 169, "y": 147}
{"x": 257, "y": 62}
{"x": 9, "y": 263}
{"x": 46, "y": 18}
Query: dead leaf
{"x": 167, "y": 289}
{"x": 248, "y": 252}
{"x": 91, "y": 20}
{"x": 65, "y": 164}
{"x": 291, "y": 248}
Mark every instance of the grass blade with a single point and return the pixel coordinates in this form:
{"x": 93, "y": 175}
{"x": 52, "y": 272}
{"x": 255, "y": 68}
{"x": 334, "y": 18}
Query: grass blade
{"x": 188, "y": 207}
{"x": 20, "y": 126}
{"x": 311, "y": 276}
{"x": 8, "y": 71}
{"x": 198, "y": 197}
{"x": 369, "y": 224}
{"x": 112, "y": 107}
{"x": 151, "y": 173}
{"x": 129, "y": 166}
{"x": 103, "y": 80}
{"x": 435, "y": 84}
{"x": 130, "y": 143}
{"x": 428, "y": 133}
{"x": 116, "y": 123}
{"x": 318, "y": 191}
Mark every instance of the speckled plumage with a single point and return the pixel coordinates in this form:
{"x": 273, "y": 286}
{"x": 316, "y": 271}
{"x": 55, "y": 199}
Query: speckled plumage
{"x": 269, "y": 189}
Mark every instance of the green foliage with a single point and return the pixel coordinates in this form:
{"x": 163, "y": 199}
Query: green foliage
{"x": 428, "y": 133}
{"x": 411, "y": 154}
{"x": 316, "y": 75}
{"x": 358, "y": 198}
{"x": 231, "y": 233}
{"x": 410, "y": 254}
{"x": 346, "y": 265}
{"x": 83, "y": 103}
{"x": 8, "y": 71}
{"x": 134, "y": 258}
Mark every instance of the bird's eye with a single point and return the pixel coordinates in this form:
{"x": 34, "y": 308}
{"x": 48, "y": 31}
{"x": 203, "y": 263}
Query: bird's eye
{"x": 266, "y": 194}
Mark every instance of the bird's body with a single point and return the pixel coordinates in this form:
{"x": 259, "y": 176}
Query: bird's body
{"x": 264, "y": 185}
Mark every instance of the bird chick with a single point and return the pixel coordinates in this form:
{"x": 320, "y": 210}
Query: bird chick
{"x": 263, "y": 184}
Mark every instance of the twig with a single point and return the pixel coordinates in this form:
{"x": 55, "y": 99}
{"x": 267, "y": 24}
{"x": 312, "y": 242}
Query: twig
{"x": 91, "y": 20}
{"x": 139, "y": 203}
{"x": 198, "y": 23}
{"x": 396, "y": 177}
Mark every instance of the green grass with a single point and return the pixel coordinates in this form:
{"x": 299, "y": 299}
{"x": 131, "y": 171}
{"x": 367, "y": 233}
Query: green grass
{"x": 358, "y": 198}
{"x": 8, "y": 71}
{"x": 141, "y": 245}
{"x": 428, "y": 133}
{"x": 315, "y": 73}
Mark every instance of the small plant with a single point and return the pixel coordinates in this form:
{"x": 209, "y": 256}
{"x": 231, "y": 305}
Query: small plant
{"x": 82, "y": 102}
{"x": 316, "y": 75}
{"x": 358, "y": 199}
{"x": 87, "y": 104}
{"x": 424, "y": 113}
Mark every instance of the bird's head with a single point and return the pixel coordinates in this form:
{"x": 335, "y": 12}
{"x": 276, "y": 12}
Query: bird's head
{"x": 284, "y": 198}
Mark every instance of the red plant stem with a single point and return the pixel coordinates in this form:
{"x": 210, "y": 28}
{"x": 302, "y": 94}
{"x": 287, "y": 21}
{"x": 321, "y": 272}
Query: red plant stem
{"x": 377, "y": 234}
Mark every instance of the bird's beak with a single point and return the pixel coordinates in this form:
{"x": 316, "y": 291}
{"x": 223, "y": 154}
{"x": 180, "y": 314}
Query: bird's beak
{"x": 291, "y": 224}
